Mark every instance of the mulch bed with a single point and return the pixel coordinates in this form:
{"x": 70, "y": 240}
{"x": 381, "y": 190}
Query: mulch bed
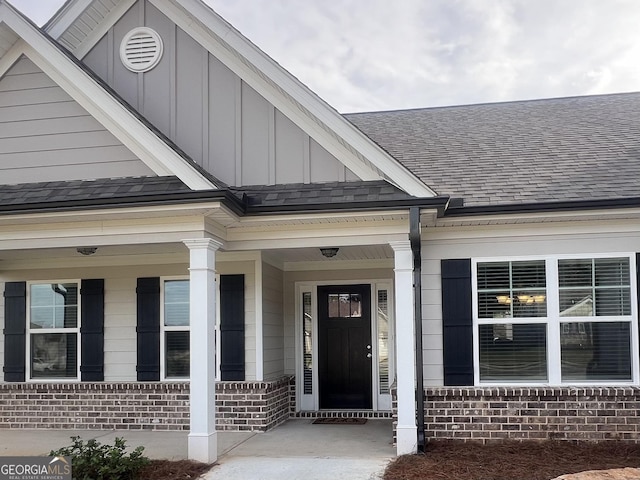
{"x": 454, "y": 460}
{"x": 173, "y": 470}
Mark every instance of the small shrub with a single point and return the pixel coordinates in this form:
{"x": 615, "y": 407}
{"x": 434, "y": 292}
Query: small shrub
{"x": 93, "y": 461}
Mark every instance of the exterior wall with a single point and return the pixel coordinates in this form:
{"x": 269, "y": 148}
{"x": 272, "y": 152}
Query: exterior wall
{"x": 120, "y": 308}
{"x": 496, "y": 414}
{"x": 272, "y": 321}
{"x": 221, "y": 122}
{"x": 46, "y": 136}
{"x": 326, "y": 276}
{"x": 243, "y": 406}
{"x": 246, "y": 406}
{"x": 503, "y": 241}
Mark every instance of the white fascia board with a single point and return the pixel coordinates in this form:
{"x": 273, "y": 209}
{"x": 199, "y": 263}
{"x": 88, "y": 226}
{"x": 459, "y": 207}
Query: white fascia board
{"x": 290, "y": 96}
{"x": 10, "y": 57}
{"x": 65, "y": 17}
{"x": 122, "y": 123}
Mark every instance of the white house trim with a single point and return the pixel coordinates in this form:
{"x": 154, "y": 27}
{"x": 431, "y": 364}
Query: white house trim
{"x": 407, "y": 430}
{"x": 203, "y": 445}
{"x": 121, "y": 122}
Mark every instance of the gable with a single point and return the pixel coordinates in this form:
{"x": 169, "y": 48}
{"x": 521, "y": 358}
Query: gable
{"x": 347, "y": 153}
{"x": 45, "y": 135}
{"x": 20, "y": 38}
{"x": 220, "y": 121}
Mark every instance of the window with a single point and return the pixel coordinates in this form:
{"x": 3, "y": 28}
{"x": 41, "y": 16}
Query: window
{"x": 53, "y": 330}
{"x": 345, "y": 305}
{"x": 383, "y": 342}
{"x": 562, "y": 320}
{"x": 175, "y": 329}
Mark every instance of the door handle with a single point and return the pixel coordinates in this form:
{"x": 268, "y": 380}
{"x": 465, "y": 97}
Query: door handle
{"x": 369, "y": 355}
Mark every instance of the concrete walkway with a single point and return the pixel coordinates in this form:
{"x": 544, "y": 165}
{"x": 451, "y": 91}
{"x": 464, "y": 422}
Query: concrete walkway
{"x": 295, "y": 450}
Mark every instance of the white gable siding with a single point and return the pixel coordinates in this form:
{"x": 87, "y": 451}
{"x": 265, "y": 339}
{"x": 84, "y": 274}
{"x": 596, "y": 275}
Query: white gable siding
{"x": 217, "y": 119}
{"x": 46, "y": 136}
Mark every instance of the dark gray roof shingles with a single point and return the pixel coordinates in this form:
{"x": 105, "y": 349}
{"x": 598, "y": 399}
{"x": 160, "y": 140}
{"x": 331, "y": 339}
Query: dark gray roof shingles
{"x": 83, "y": 190}
{"x": 580, "y": 148}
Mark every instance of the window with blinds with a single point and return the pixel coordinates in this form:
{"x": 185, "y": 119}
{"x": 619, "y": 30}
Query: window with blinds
{"x": 307, "y": 343}
{"x": 383, "y": 341}
{"x": 595, "y": 306}
{"x": 175, "y": 326}
{"x": 512, "y": 290}
{"x": 556, "y": 320}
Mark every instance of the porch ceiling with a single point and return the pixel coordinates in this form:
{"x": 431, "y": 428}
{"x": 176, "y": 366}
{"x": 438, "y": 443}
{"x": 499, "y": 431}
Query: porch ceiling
{"x": 345, "y": 254}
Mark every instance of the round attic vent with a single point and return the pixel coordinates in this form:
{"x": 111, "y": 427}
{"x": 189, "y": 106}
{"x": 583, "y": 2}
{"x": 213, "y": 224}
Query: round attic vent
{"x": 141, "y": 49}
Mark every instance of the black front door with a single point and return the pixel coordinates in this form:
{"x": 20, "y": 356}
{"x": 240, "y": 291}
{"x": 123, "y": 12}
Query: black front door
{"x": 344, "y": 343}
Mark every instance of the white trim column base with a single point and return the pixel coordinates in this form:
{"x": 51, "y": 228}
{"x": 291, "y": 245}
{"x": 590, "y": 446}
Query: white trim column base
{"x": 406, "y": 440}
{"x": 203, "y": 447}
{"x": 406, "y": 428}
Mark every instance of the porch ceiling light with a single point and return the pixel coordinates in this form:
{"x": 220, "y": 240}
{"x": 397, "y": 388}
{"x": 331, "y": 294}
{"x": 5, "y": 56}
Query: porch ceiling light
{"x": 329, "y": 252}
{"x": 86, "y": 250}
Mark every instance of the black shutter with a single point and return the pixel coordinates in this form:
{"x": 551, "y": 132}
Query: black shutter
{"x": 457, "y": 322}
{"x": 232, "y": 327}
{"x": 148, "y": 329}
{"x": 15, "y": 323}
{"x": 638, "y": 281}
{"x": 92, "y": 331}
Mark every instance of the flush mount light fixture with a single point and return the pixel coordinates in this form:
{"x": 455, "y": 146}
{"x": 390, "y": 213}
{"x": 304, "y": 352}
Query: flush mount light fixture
{"x": 329, "y": 252}
{"x": 86, "y": 250}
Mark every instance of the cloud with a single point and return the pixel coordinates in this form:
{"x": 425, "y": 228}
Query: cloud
{"x": 375, "y": 54}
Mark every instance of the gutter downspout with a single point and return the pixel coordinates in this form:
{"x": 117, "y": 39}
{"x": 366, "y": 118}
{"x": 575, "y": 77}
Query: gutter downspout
{"x": 414, "y": 239}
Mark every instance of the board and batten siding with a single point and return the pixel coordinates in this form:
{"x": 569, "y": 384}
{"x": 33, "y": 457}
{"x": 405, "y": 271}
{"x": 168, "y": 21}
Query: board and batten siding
{"x": 272, "y": 321}
{"x": 47, "y": 136}
{"x": 209, "y": 112}
{"x": 504, "y": 241}
{"x": 120, "y": 308}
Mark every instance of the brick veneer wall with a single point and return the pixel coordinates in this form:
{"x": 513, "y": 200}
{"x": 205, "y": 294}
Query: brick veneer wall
{"x": 253, "y": 406}
{"x": 494, "y": 414}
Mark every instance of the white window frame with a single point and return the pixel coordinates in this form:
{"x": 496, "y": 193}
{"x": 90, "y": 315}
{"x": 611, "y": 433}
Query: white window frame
{"x": 553, "y": 319}
{"x": 164, "y": 329}
{"x": 28, "y": 332}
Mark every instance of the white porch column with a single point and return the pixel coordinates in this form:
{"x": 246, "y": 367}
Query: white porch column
{"x": 203, "y": 444}
{"x": 406, "y": 430}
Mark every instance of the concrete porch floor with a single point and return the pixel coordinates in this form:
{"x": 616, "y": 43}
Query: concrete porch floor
{"x": 296, "y": 449}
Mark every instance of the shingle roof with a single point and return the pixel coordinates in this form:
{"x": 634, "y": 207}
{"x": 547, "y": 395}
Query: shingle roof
{"x": 581, "y": 148}
{"x": 321, "y": 194}
{"x": 113, "y": 192}
{"x": 82, "y": 190}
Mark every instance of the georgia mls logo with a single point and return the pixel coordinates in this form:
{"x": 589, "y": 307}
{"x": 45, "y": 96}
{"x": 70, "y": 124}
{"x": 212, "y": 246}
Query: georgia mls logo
{"x": 35, "y": 468}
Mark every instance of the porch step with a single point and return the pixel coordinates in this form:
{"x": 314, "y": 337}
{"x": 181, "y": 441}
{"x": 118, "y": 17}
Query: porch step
{"x": 344, "y": 414}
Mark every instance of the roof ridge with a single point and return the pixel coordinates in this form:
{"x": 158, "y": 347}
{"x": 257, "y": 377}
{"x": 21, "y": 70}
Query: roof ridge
{"x": 481, "y": 104}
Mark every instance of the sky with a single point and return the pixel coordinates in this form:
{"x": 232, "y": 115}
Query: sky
{"x": 369, "y": 55}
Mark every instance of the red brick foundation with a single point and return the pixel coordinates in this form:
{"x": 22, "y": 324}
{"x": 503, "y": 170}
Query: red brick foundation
{"x": 242, "y": 406}
{"x": 494, "y": 414}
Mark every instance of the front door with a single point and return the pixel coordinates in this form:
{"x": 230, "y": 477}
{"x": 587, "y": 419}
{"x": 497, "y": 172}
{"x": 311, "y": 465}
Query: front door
{"x": 344, "y": 345}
